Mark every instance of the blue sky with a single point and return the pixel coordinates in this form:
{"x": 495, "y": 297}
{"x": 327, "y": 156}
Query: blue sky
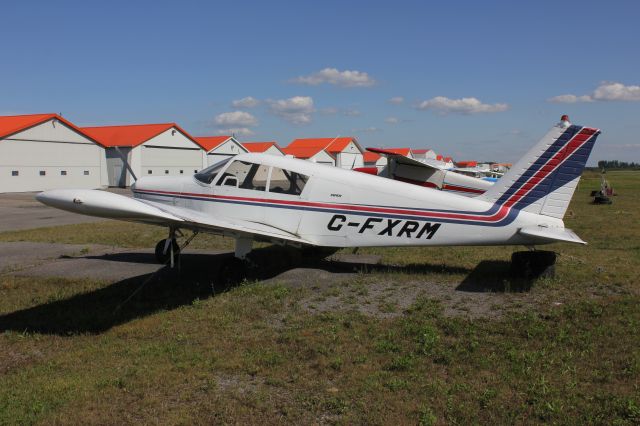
{"x": 477, "y": 80}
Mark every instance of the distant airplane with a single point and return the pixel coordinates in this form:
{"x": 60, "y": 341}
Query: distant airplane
{"x": 428, "y": 173}
{"x": 259, "y": 197}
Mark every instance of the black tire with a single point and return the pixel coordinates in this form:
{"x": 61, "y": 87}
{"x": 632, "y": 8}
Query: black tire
{"x": 533, "y": 264}
{"x": 162, "y": 257}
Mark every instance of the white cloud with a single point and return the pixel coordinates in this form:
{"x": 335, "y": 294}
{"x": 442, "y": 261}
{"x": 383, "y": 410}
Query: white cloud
{"x": 445, "y": 105}
{"x": 396, "y": 100}
{"x": 392, "y": 120}
{"x": 248, "y": 102}
{"x": 339, "y": 78}
{"x": 296, "y": 110}
{"x": 606, "y": 91}
{"x": 237, "y": 131}
{"x": 569, "y": 99}
{"x": 352, "y": 112}
{"x": 235, "y": 119}
{"x": 609, "y": 91}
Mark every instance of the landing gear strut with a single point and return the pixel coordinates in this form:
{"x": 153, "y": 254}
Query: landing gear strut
{"x": 168, "y": 250}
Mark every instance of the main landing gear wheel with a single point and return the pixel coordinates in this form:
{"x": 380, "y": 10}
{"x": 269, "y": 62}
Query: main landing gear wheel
{"x": 533, "y": 264}
{"x": 163, "y": 257}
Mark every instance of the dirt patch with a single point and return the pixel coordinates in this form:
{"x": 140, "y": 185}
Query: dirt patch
{"x": 382, "y": 297}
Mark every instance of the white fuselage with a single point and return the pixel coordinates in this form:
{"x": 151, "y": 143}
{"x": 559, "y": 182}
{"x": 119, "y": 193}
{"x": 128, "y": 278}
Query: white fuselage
{"x": 342, "y": 208}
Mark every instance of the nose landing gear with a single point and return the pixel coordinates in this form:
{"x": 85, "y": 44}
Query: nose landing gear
{"x": 168, "y": 250}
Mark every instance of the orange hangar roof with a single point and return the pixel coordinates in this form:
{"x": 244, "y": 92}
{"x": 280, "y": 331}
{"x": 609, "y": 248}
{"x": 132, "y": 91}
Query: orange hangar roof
{"x": 129, "y": 135}
{"x": 302, "y": 152}
{"x": 211, "y": 142}
{"x": 331, "y": 145}
{"x": 11, "y": 124}
{"x": 260, "y": 146}
{"x": 370, "y": 157}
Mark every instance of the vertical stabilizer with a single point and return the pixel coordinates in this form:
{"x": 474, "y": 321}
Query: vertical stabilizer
{"x": 544, "y": 180}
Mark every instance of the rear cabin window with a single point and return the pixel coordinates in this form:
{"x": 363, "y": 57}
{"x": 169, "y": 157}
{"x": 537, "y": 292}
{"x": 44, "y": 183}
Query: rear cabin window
{"x": 287, "y": 182}
{"x": 241, "y": 174}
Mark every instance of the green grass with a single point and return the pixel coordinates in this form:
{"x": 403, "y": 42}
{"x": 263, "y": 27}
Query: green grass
{"x": 569, "y": 354}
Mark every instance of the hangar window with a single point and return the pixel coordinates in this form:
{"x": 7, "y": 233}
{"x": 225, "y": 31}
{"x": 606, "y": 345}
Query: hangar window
{"x": 86, "y": 172}
{"x": 14, "y": 173}
{"x": 42, "y": 173}
{"x": 181, "y": 172}
{"x": 149, "y": 172}
{"x": 287, "y": 182}
{"x": 63, "y": 172}
{"x": 166, "y": 172}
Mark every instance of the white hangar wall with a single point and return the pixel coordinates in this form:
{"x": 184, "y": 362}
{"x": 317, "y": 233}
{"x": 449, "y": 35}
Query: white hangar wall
{"x": 170, "y": 153}
{"x": 350, "y": 157}
{"x": 51, "y": 155}
{"x": 227, "y": 149}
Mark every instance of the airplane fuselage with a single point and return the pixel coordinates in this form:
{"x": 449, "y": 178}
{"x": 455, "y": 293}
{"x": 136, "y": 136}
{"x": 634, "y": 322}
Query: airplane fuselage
{"x": 342, "y": 208}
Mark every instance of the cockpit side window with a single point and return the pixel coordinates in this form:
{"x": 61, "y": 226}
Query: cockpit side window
{"x": 287, "y": 182}
{"x": 244, "y": 175}
{"x": 209, "y": 174}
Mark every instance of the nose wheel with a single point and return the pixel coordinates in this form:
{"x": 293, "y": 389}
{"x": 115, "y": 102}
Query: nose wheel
{"x": 164, "y": 249}
{"x": 168, "y": 250}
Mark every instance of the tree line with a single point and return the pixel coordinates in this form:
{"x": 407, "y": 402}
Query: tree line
{"x": 616, "y": 164}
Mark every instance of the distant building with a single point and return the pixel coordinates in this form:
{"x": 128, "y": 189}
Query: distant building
{"x": 45, "y": 151}
{"x": 263, "y": 147}
{"x": 312, "y": 154}
{"x": 423, "y": 154}
{"x": 219, "y": 148}
{"x": 371, "y": 159}
{"x": 345, "y": 152}
{"x": 138, "y": 150}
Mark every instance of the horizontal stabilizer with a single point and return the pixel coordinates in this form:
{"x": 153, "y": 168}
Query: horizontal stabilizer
{"x": 551, "y": 234}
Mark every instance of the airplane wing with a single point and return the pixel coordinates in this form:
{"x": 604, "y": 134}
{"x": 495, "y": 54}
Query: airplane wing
{"x": 406, "y": 161}
{"x": 199, "y": 220}
{"x": 113, "y": 206}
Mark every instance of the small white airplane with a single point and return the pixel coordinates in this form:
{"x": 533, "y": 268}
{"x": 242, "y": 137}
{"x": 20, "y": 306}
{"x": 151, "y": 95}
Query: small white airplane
{"x": 430, "y": 174}
{"x": 258, "y": 197}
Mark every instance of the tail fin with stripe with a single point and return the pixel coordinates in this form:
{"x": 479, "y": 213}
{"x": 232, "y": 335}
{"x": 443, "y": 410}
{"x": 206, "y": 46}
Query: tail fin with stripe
{"x": 544, "y": 180}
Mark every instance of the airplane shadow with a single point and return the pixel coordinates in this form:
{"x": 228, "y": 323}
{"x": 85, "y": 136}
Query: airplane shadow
{"x": 101, "y": 309}
{"x": 494, "y": 276}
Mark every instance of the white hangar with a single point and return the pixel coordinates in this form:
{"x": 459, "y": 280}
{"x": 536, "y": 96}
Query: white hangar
{"x": 220, "y": 148}
{"x": 137, "y": 150}
{"x": 44, "y": 151}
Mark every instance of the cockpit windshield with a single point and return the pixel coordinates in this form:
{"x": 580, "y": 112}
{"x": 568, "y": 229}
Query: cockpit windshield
{"x": 209, "y": 174}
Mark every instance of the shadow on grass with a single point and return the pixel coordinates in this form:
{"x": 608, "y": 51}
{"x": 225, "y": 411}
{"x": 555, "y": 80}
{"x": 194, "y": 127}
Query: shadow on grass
{"x": 494, "y": 276}
{"x": 98, "y": 310}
